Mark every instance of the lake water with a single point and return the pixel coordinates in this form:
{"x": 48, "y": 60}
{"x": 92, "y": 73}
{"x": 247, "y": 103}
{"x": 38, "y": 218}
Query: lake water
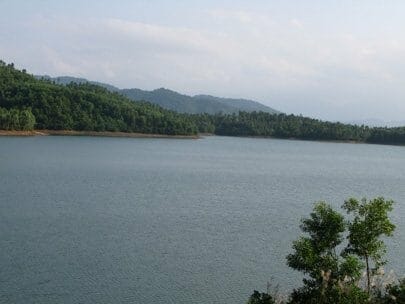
{"x": 121, "y": 220}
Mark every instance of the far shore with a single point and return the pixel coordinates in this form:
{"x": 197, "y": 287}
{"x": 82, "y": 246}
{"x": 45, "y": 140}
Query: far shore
{"x": 146, "y": 135}
{"x": 91, "y": 133}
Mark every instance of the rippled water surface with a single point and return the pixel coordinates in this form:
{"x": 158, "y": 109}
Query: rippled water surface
{"x": 116, "y": 220}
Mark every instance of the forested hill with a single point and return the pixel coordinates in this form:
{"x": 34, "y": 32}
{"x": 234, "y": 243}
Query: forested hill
{"x": 178, "y": 102}
{"x": 196, "y": 104}
{"x": 27, "y": 103}
{"x": 175, "y": 101}
{"x": 65, "y": 80}
{"x": 295, "y": 127}
{"x": 79, "y": 107}
{"x": 239, "y": 104}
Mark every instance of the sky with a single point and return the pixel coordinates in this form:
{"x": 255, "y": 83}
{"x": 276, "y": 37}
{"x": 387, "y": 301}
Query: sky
{"x": 333, "y": 60}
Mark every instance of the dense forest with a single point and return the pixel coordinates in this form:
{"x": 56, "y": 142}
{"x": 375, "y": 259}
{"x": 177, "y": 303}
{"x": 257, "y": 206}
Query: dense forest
{"x": 28, "y": 103}
{"x": 85, "y": 107}
{"x": 293, "y": 126}
{"x": 15, "y": 119}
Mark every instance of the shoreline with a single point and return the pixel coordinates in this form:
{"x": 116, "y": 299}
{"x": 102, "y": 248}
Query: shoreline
{"x": 6, "y": 133}
{"x": 91, "y": 133}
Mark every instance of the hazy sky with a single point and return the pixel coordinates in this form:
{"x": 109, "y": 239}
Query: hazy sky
{"x": 327, "y": 59}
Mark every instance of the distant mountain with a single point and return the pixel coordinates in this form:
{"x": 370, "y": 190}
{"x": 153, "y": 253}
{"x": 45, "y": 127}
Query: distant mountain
{"x": 68, "y": 79}
{"x": 241, "y": 104}
{"x": 175, "y": 101}
{"x": 196, "y": 104}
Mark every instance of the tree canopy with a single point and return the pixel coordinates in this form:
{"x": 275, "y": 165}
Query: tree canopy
{"x": 369, "y": 224}
{"x": 333, "y": 272}
{"x": 80, "y": 107}
{"x": 329, "y": 273}
{"x": 294, "y": 127}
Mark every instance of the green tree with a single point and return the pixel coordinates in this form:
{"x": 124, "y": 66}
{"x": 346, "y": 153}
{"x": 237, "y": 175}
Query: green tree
{"x": 260, "y": 298}
{"x": 332, "y": 276}
{"x": 27, "y": 120}
{"x": 14, "y": 119}
{"x": 369, "y": 224}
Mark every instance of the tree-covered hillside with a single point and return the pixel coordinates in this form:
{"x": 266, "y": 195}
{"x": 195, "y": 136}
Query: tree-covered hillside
{"x": 293, "y": 126}
{"x": 175, "y": 101}
{"x": 172, "y": 100}
{"x": 238, "y": 104}
{"x": 27, "y": 102}
{"x": 198, "y": 104}
{"x": 65, "y": 80}
{"x": 83, "y": 107}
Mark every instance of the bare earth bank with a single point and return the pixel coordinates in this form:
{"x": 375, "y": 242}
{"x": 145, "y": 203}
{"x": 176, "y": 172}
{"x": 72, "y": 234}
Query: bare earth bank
{"x": 91, "y": 133}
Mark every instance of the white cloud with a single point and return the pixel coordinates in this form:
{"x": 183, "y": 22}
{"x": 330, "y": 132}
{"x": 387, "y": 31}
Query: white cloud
{"x": 60, "y": 64}
{"x": 179, "y": 39}
{"x": 237, "y": 53}
{"x": 296, "y": 23}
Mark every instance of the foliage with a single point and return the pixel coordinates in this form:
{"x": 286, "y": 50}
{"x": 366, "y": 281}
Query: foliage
{"x": 83, "y": 107}
{"x": 297, "y": 127}
{"x": 90, "y": 107}
{"x": 260, "y": 298}
{"x": 395, "y": 293}
{"x": 330, "y": 275}
{"x": 369, "y": 224}
{"x": 348, "y": 294}
{"x": 333, "y": 277}
{"x": 15, "y": 119}
{"x": 387, "y": 289}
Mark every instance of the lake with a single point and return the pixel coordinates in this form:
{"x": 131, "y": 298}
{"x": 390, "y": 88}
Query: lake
{"x": 123, "y": 220}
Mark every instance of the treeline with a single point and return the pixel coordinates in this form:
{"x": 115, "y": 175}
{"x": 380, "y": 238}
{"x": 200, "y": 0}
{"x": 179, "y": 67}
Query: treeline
{"x": 293, "y": 126}
{"x": 280, "y": 126}
{"x": 88, "y": 107}
{"x": 84, "y": 107}
{"x": 387, "y": 135}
